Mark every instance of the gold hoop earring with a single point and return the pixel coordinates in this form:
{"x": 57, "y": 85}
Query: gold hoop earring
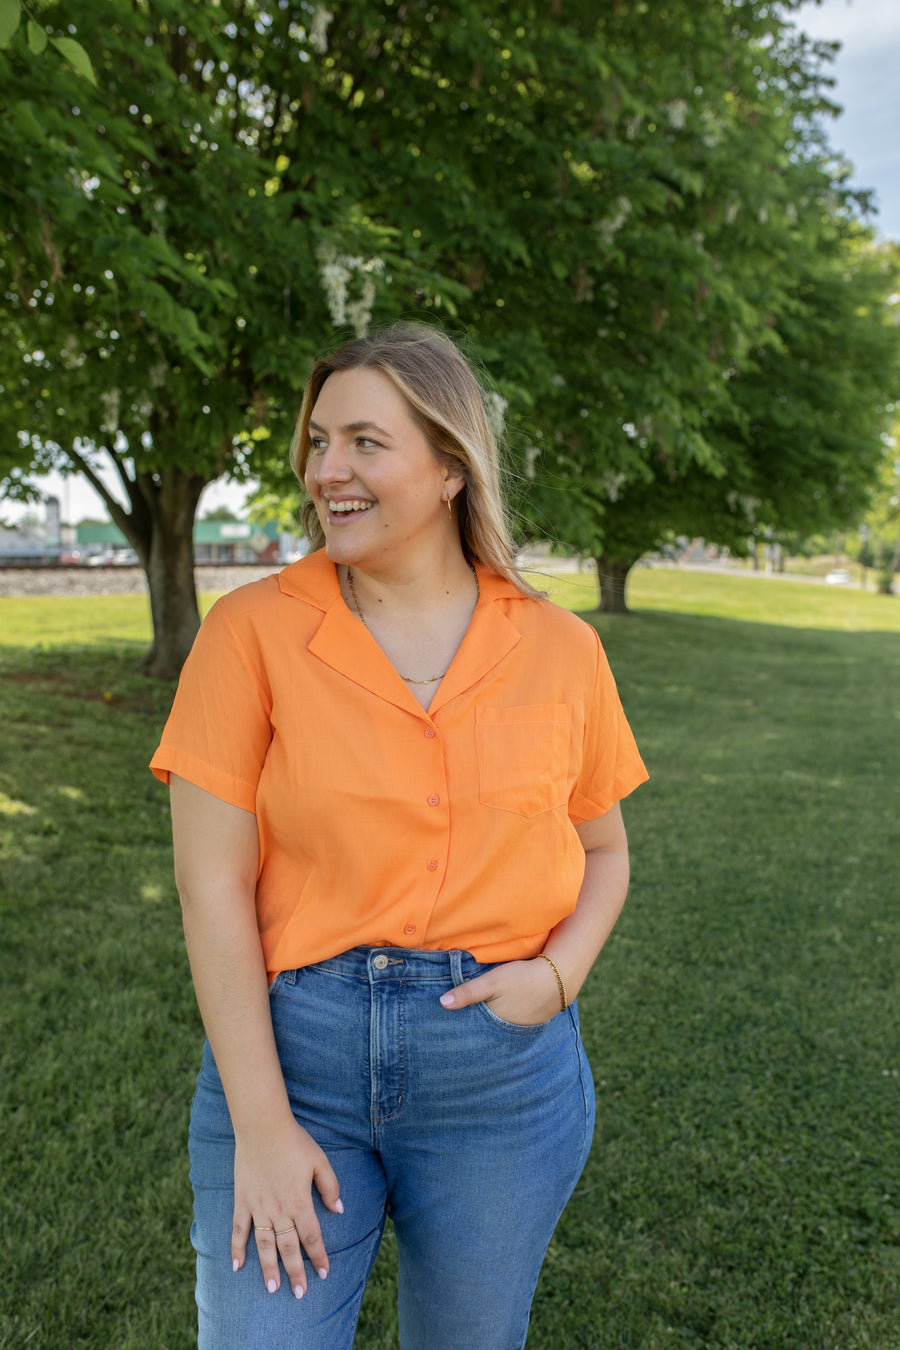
{"x": 450, "y": 507}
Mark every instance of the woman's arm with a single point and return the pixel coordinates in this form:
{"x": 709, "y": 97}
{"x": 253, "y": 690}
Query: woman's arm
{"x": 526, "y": 991}
{"x": 276, "y": 1161}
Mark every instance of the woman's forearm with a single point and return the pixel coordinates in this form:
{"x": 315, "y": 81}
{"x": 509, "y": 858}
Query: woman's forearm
{"x": 232, "y": 993}
{"x": 216, "y": 862}
{"x": 576, "y": 942}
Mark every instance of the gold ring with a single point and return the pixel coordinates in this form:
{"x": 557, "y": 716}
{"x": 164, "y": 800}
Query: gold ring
{"x": 264, "y": 1228}
{"x": 292, "y": 1229}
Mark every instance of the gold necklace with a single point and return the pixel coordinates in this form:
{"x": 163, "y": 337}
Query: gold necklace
{"x": 407, "y": 679}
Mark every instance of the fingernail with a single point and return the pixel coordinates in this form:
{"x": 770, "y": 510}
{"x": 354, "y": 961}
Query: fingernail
{"x": 271, "y": 1286}
{"x": 323, "y": 1273}
{"x": 339, "y": 1207}
{"x": 448, "y": 1000}
{"x": 298, "y": 1291}
{"x": 235, "y": 1265}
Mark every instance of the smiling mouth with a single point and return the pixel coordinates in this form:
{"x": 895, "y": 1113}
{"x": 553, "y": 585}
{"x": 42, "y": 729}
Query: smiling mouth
{"x": 349, "y": 508}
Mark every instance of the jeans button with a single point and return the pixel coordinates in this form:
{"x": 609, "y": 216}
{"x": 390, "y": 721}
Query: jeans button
{"x": 380, "y": 962}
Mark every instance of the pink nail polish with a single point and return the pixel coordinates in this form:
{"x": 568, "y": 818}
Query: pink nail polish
{"x": 235, "y": 1265}
{"x": 323, "y": 1273}
{"x": 339, "y": 1207}
{"x": 448, "y": 1000}
{"x": 298, "y": 1291}
{"x": 271, "y": 1286}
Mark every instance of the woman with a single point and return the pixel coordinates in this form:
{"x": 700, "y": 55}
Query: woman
{"x": 395, "y": 773}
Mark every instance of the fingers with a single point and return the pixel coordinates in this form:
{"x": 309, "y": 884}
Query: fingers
{"x": 523, "y": 992}
{"x": 285, "y": 1230}
{"x": 478, "y": 990}
{"x": 327, "y": 1185}
{"x": 240, "y": 1231}
{"x": 282, "y": 1244}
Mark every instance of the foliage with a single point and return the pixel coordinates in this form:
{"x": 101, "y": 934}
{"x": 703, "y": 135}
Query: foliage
{"x": 742, "y": 1023}
{"x": 795, "y": 344}
{"x": 40, "y": 40}
{"x": 602, "y": 206}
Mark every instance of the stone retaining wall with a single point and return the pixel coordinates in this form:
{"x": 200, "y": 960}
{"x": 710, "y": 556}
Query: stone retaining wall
{"x": 116, "y": 580}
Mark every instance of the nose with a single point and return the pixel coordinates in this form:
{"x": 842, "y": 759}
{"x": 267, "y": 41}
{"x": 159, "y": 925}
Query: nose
{"x": 330, "y": 465}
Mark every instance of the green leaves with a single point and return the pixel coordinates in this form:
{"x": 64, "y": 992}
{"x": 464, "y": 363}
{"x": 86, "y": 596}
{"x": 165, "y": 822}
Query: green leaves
{"x": 70, "y": 51}
{"x": 37, "y": 37}
{"x": 624, "y": 218}
{"x": 10, "y": 18}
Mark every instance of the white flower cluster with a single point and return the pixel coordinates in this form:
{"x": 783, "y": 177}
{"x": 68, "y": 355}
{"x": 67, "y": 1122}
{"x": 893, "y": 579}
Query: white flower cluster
{"x": 109, "y": 401}
{"x": 676, "y": 112}
{"x": 318, "y": 29}
{"x": 613, "y": 484}
{"x": 336, "y": 272}
{"x": 609, "y": 227}
{"x": 495, "y": 406}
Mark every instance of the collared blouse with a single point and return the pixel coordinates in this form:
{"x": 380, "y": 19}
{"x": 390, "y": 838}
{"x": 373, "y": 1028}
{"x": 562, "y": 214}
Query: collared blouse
{"x": 380, "y": 822}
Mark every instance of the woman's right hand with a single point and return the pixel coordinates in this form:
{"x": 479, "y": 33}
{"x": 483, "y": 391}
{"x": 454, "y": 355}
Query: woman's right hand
{"x": 273, "y": 1179}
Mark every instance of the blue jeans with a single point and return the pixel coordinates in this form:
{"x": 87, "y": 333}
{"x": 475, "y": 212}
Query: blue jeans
{"x": 470, "y": 1132}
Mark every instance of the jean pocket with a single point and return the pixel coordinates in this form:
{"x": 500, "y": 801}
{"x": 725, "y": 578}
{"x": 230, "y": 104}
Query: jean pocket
{"x": 523, "y": 757}
{"x": 516, "y": 1028}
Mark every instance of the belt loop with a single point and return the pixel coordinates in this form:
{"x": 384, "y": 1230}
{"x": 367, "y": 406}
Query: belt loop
{"x": 456, "y": 970}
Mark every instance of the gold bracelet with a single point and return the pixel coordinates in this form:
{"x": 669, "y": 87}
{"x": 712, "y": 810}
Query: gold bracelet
{"x": 563, "y": 1000}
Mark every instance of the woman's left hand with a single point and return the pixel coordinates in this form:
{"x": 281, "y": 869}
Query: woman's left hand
{"x": 522, "y": 992}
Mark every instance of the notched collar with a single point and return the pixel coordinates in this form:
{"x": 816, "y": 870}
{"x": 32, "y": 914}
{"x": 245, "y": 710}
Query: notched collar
{"x": 346, "y": 645}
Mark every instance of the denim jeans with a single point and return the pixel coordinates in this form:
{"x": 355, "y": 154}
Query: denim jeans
{"x": 469, "y": 1131}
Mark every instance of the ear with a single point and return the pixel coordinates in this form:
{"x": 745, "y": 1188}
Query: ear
{"x": 454, "y": 480}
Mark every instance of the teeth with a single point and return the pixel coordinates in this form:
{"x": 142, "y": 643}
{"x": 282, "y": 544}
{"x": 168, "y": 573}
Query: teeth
{"x": 344, "y": 507}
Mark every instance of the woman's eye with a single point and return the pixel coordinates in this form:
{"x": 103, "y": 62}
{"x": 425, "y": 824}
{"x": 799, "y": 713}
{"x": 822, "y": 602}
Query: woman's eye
{"x": 365, "y": 443}
{"x": 316, "y": 444}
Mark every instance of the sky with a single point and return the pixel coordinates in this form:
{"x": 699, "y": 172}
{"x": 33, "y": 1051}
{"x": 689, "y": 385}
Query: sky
{"x": 868, "y": 89}
{"x": 867, "y": 73}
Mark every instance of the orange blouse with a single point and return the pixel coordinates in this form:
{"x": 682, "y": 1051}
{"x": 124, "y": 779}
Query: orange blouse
{"x": 379, "y": 822}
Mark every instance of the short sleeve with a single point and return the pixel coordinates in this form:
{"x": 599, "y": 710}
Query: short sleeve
{"x": 219, "y": 730}
{"x": 611, "y": 764}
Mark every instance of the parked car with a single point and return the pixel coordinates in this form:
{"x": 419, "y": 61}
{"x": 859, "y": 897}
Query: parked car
{"x": 839, "y": 576}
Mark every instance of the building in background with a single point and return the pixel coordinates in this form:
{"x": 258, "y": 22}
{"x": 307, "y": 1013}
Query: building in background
{"x": 101, "y": 543}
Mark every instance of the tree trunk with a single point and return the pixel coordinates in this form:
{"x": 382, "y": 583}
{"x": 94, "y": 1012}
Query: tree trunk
{"x": 160, "y": 528}
{"x": 613, "y": 574}
{"x": 169, "y": 565}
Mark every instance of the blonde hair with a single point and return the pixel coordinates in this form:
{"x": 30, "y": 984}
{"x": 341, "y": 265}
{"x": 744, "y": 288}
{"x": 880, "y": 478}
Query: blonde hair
{"x": 447, "y": 401}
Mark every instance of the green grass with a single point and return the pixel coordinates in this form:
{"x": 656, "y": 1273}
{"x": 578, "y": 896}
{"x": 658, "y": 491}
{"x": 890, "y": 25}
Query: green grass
{"x": 743, "y": 1022}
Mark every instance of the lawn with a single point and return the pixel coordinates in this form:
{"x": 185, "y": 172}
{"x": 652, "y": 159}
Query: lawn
{"x": 743, "y": 1022}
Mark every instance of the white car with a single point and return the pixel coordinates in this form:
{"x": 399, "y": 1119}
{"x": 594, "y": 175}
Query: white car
{"x": 839, "y": 577}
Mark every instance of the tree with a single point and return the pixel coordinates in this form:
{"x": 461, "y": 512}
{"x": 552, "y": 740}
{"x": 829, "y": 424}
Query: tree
{"x": 792, "y": 349}
{"x": 564, "y": 184}
{"x": 162, "y": 272}
{"x": 880, "y": 533}
{"x": 800, "y": 448}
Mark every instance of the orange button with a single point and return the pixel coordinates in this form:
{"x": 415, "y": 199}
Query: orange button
{"x": 434, "y": 799}
{"x": 432, "y": 864}
{"x": 430, "y": 733}
{"x": 409, "y": 928}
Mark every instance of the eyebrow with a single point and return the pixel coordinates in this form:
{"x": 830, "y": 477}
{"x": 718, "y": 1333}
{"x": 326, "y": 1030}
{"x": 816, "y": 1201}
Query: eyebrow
{"x": 355, "y": 426}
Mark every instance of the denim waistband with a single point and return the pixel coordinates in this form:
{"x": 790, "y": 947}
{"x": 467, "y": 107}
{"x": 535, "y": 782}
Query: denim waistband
{"x": 403, "y": 963}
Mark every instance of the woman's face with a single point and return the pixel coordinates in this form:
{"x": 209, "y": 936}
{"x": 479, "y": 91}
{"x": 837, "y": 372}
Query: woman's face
{"x": 379, "y": 489}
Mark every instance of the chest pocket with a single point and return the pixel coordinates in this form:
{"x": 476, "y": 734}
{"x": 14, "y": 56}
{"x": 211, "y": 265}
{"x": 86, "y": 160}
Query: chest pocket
{"x": 523, "y": 757}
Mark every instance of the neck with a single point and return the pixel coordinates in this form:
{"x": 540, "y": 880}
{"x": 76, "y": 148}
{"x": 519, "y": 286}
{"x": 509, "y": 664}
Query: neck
{"x": 409, "y": 591}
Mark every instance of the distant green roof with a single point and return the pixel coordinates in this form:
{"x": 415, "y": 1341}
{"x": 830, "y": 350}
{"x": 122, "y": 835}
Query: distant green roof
{"x": 205, "y": 532}
{"x": 232, "y": 532}
{"x": 92, "y": 532}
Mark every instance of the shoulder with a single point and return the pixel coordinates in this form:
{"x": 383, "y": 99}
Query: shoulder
{"x": 311, "y": 581}
{"x": 540, "y": 619}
